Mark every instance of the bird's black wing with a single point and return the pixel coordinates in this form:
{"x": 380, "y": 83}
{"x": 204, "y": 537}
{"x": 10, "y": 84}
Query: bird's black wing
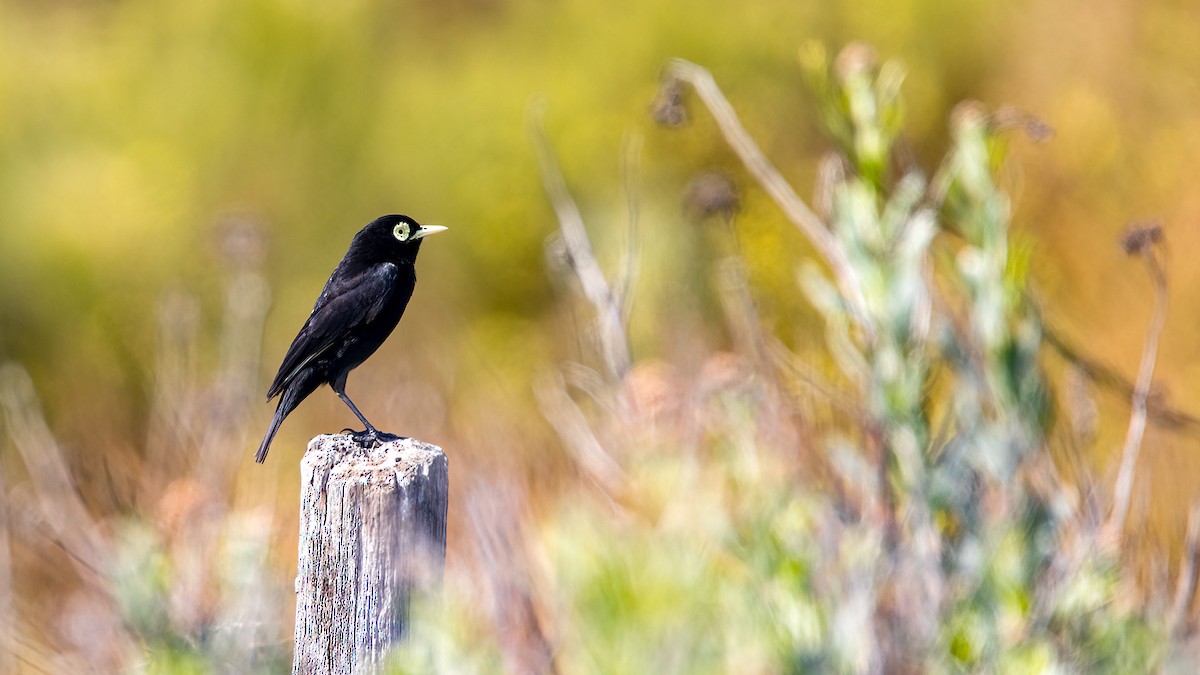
{"x": 343, "y": 304}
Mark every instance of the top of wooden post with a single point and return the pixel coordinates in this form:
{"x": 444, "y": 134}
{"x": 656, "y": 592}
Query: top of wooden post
{"x": 394, "y": 463}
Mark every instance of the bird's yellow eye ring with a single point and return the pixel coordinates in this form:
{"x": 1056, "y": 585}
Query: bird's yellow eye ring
{"x": 401, "y": 231}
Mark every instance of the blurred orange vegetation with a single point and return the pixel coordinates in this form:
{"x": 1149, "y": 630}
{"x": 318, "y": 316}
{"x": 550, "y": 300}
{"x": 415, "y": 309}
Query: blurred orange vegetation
{"x": 178, "y": 179}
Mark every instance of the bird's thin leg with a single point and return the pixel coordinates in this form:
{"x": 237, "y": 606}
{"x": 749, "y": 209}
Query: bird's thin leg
{"x": 369, "y": 437}
{"x": 346, "y": 399}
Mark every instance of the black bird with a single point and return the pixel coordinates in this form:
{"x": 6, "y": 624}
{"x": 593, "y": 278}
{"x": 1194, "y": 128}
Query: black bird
{"x": 361, "y": 303}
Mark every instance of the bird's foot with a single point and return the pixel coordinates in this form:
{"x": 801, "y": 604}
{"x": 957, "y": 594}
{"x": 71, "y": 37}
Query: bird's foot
{"x": 369, "y": 438}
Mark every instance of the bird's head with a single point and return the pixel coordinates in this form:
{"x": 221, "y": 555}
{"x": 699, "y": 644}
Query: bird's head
{"x": 395, "y": 237}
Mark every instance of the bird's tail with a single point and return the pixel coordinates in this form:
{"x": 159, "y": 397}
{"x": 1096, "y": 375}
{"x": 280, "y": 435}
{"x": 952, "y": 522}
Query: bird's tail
{"x": 266, "y": 441}
{"x": 295, "y": 392}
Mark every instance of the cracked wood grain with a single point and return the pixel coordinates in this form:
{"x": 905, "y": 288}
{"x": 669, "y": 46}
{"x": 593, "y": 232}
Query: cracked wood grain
{"x": 372, "y": 532}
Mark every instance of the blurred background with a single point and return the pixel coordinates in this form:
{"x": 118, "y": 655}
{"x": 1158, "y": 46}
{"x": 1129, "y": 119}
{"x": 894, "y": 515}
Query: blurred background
{"x": 177, "y": 181}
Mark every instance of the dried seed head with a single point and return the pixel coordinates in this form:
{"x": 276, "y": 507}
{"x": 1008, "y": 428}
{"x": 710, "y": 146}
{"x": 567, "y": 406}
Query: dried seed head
{"x": 710, "y": 194}
{"x": 1140, "y": 236}
{"x": 1012, "y": 117}
{"x": 668, "y": 109}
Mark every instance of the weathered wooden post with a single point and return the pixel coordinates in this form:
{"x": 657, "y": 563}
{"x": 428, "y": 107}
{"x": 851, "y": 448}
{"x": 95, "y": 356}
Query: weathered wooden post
{"x": 372, "y": 530}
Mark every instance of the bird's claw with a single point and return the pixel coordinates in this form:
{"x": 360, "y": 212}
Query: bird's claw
{"x": 370, "y": 438}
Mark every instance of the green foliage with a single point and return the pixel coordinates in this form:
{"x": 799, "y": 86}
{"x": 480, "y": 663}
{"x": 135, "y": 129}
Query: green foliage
{"x": 994, "y": 554}
{"x": 928, "y": 546}
{"x": 194, "y": 614}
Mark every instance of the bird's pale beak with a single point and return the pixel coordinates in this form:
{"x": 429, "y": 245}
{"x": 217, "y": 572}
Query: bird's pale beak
{"x": 426, "y": 230}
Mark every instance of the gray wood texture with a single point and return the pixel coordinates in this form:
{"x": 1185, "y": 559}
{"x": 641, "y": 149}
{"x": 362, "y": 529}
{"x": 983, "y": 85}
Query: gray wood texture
{"x": 372, "y": 531}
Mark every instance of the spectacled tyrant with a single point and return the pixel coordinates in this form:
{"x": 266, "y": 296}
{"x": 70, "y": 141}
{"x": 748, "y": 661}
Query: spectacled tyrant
{"x": 360, "y": 305}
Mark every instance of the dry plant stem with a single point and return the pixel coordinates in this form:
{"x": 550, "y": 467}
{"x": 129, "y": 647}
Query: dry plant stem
{"x": 581, "y": 258}
{"x": 801, "y": 374}
{"x": 235, "y": 392}
{"x": 8, "y": 617}
{"x": 630, "y": 261}
{"x": 496, "y": 512}
{"x": 69, "y": 519}
{"x": 1101, "y": 374}
{"x": 741, "y": 315}
{"x": 1185, "y": 587}
{"x": 1123, "y": 487}
{"x": 573, "y": 428}
{"x": 170, "y": 420}
{"x": 774, "y": 183}
{"x": 70, "y": 523}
